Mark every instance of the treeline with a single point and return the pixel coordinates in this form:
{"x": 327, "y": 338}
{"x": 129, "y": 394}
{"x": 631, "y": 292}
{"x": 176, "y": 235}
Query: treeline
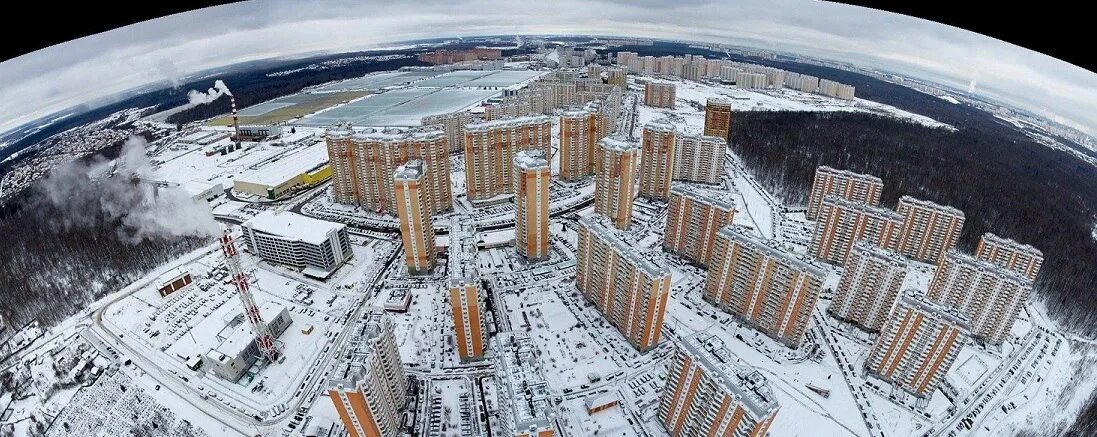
{"x": 51, "y": 271}
{"x": 256, "y": 87}
{"x": 1013, "y": 187}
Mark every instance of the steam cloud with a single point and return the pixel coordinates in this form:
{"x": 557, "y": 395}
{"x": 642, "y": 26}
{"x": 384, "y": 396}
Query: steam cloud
{"x": 199, "y": 98}
{"x": 87, "y": 194}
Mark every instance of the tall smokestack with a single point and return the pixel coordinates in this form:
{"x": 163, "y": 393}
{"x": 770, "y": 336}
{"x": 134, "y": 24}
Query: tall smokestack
{"x": 235, "y": 118}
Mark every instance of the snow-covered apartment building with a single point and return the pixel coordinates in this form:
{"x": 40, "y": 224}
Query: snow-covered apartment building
{"x": 317, "y": 247}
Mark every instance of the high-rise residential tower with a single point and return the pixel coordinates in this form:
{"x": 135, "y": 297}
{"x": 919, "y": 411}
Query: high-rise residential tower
{"x": 659, "y": 94}
{"x": 694, "y": 217}
{"x": 490, "y": 148}
{"x": 768, "y": 288}
{"x": 1020, "y": 258}
{"x": 465, "y": 297}
{"x": 657, "y": 163}
{"x": 842, "y": 223}
{"x": 531, "y": 214}
{"x": 929, "y": 230}
{"x": 718, "y": 117}
{"x": 708, "y": 393}
{"x": 615, "y": 181}
{"x": 369, "y": 388}
{"x": 699, "y": 158}
{"x": 854, "y": 187}
{"x": 918, "y": 345}
{"x": 990, "y": 295}
{"x": 413, "y": 208}
{"x": 524, "y": 401}
{"x": 362, "y": 164}
{"x": 869, "y": 286}
{"x": 579, "y": 135}
{"x": 629, "y": 287}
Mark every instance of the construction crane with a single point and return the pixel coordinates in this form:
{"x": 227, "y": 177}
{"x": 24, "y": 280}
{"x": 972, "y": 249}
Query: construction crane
{"x": 258, "y": 326}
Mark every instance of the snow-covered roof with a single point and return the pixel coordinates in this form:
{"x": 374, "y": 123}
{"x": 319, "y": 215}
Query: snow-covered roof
{"x": 507, "y": 123}
{"x": 287, "y": 167}
{"x": 410, "y": 171}
{"x": 736, "y": 233}
{"x": 1011, "y": 244}
{"x": 618, "y": 145}
{"x": 462, "y": 251}
{"x": 719, "y": 198}
{"x": 600, "y": 226}
{"x": 523, "y": 381}
{"x": 659, "y": 126}
{"x": 530, "y": 159}
{"x": 926, "y": 204}
{"x": 293, "y": 226}
{"x": 946, "y": 313}
{"x": 848, "y": 174}
{"x": 744, "y": 383}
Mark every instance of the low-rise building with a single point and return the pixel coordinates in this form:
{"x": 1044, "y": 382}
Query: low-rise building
{"x": 236, "y": 348}
{"x": 317, "y": 247}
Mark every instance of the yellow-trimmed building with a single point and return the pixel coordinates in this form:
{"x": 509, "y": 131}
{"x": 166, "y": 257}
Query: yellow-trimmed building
{"x": 296, "y": 171}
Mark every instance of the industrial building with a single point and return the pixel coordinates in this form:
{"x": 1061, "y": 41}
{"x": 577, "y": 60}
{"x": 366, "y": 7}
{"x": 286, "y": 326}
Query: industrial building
{"x": 237, "y": 349}
{"x": 465, "y": 297}
{"x": 990, "y": 295}
{"x": 615, "y": 180}
{"x": 524, "y": 402}
{"x": 174, "y": 280}
{"x": 286, "y": 173}
{"x": 368, "y": 387}
{"x": 869, "y": 286}
{"x": 657, "y": 165}
{"x": 694, "y": 217}
{"x": 854, "y": 187}
{"x": 532, "y": 181}
{"x": 918, "y": 345}
{"x": 629, "y": 288}
{"x": 317, "y": 247}
{"x": 709, "y": 393}
{"x": 766, "y": 287}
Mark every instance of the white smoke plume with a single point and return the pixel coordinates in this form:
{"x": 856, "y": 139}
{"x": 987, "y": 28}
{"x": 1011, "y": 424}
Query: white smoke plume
{"x": 121, "y": 193}
{"x": 199, "y": 98}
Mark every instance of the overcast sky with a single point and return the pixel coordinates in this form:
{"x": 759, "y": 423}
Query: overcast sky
{"x": 53, "y": 79}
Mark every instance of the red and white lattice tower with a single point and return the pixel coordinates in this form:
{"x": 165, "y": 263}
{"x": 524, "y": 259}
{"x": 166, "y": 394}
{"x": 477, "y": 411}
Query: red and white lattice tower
{"x": 258, "y": 326}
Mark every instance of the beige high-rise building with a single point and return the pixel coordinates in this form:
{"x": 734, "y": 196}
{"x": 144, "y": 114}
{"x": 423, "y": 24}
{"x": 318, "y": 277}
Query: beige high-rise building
{"x": 708, "y": 393}
{"x": 465, "y": 297}
{"x": 525, "y": 407}
{"x": 617, "y": 77}
{"x": 929, "y": 230}
{"x": 531, "y": 197}
{"x": 854, "y": 187}
{"x": 1020, "y": 258}
{"x": 836, "y": 90}
{"x": 659, "y": 94}
{"x": 699, "y": 158}
{"x": 489, "y": 152}
{"x": 453, "y": 125}
{"x": 579, "y": 136}
{"x": 842, "y": 223}
{"x": 629, "y": 288}
{"x": 657, "y": 163}
{"x": 615, "y": 181}
{"x": 368, "y": 386}
{"x": 694, "y": 217}
{"x": 989, "y": 295}
{"x": 870, "y": 283}
{"x": 413, "y": 209}
{"x": 718, "y": 117}
{"x": 362, "y": 165}
{"x": 765, "y": 287}
{"x": 918, "y": 345}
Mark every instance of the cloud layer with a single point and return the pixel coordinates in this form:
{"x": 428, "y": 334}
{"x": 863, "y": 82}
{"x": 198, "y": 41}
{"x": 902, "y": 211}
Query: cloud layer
{"x": 102, "y": 65}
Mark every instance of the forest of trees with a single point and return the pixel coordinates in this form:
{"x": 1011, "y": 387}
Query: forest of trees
{"x": 53, "y": 269}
